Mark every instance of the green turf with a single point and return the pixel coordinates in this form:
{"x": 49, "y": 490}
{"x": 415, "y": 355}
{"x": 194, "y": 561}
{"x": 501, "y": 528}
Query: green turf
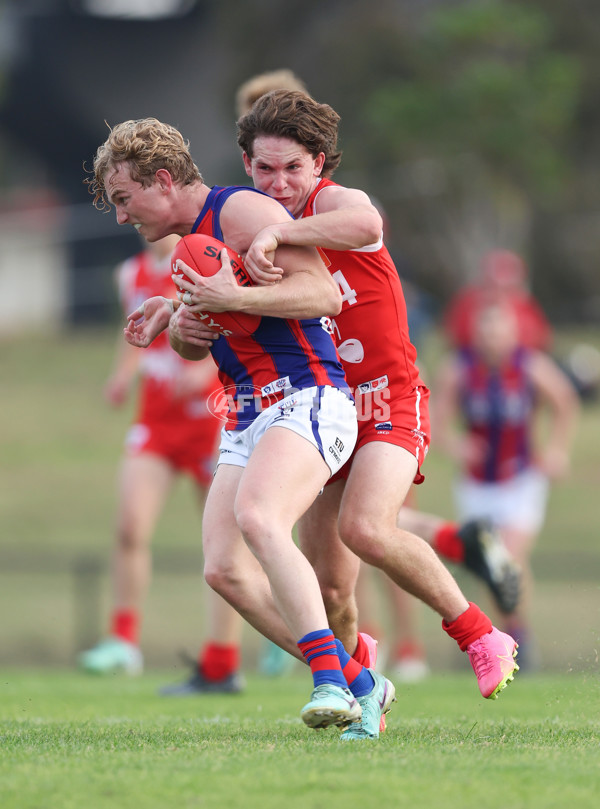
{"x": 59, "y": 450}
{"x": 68, "y": 741}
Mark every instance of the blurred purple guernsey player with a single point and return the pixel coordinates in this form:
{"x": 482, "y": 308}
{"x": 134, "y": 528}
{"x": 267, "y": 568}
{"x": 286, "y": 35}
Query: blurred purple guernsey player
{"x": 293, "y": 423}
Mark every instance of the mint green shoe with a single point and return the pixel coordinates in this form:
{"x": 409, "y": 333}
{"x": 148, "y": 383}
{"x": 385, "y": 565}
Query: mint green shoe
{"x": 275, "y": 661}
{"x": 374, "y": 706}
{"x": 111, "y": 655}
{"x": 331, "y": 705}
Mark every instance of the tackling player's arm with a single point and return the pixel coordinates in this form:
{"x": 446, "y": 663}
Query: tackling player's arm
{"x": 306, "y": 288}
{"x": 345, "y": 219}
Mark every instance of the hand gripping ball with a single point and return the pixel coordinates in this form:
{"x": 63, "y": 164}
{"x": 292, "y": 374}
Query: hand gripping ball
{"x": 203, "y": 254}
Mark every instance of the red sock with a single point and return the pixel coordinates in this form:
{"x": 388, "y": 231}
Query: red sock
{"x": 125, "y": 624}
{"x": 468, "y": 627}
{"x": 447, "y": 543}
{"x": 361, "y": 653}
{"x": 216, "y": 661}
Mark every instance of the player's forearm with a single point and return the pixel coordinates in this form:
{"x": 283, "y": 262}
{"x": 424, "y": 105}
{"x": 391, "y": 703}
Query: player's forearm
{"x": 564, "y": 422}
{"x": 344, "y": 229}
{"x": 298, "y": 296}
{"x": 187, "y": 350}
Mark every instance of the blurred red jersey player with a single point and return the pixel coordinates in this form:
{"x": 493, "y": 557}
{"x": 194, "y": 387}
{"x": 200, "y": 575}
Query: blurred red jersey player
{"x": 503, "y": 279}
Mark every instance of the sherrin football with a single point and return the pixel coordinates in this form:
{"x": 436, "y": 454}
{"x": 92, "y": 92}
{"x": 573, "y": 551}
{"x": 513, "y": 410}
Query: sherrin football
{"x": 203, "y": 254}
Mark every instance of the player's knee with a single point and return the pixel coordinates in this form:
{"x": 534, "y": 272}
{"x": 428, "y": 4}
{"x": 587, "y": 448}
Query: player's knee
{"x": 339, "y": 602}
{"x": 256, "y": 526}
{"x": 128, "y": 539}
{"x": 336, "y": 595}
{"x": 364, "y": 536}
{"x": 222, "y": 579}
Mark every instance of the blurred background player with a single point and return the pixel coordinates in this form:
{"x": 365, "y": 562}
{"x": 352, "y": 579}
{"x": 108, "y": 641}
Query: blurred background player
{"x": 173, "y": 433}
{"x": 495, "y": 386}
{"x": 256, "y": 86}
{"x": 503, "y": 279}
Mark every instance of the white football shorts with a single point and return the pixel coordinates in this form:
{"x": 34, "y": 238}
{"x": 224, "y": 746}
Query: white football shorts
{"x": 324, "y": 415}
{"x": 518, "y": 503}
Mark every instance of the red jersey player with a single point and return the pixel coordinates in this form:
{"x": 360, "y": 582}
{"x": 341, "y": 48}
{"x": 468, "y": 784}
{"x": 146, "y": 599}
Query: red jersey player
{"x": 289, "y": 144}
{"x": 503, "y": 280}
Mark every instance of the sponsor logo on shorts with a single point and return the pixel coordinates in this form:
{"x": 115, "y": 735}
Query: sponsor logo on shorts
{"x": 286, "y": 408}
{"x": 335, "y": 455}
{"x": 420, "y": 436}
{"x": 384, "y": 427}
{"x": 336, "y": 448}
{"x": 289, "y": 403}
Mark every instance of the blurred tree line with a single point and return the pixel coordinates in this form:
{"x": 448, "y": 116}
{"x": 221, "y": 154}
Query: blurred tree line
{"x": 475, "y": 123}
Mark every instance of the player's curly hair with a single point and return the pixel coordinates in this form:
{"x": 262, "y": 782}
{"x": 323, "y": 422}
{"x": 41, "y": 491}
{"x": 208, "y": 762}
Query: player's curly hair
{"x": 146, "y": 145}
{"x": 293, "y": 114}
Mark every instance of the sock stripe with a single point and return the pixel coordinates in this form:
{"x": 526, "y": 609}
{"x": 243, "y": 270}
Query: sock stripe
{"x": 320, "y": 652}
{"x": 313, "y": 650}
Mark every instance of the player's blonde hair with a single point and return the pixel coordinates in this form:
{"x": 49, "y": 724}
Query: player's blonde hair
{"x": 146, "y": 145}
{"x": 296, "y": 115}
{"x": 255, "y": 87}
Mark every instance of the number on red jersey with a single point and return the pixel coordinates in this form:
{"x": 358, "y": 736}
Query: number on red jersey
{"x": 348, "y": 294}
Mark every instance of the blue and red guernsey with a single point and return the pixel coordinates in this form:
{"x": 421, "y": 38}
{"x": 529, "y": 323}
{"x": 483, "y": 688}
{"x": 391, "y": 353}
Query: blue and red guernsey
{"x": 280, "y": 357}
{"x": 497, "y": 407}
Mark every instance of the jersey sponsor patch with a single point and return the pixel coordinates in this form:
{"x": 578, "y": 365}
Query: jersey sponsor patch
{"x": 276, "y": 386}
{"x": 351, "y": 350}
{"x": 374, "y": 384}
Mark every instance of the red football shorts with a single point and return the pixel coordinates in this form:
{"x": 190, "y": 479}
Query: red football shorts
{"x": 189, "y": 445}
{"x": 402, "y": 421}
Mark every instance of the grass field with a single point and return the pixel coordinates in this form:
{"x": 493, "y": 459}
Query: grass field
{"x": 70, "y": 741}
{"x": 59, "y": 448}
